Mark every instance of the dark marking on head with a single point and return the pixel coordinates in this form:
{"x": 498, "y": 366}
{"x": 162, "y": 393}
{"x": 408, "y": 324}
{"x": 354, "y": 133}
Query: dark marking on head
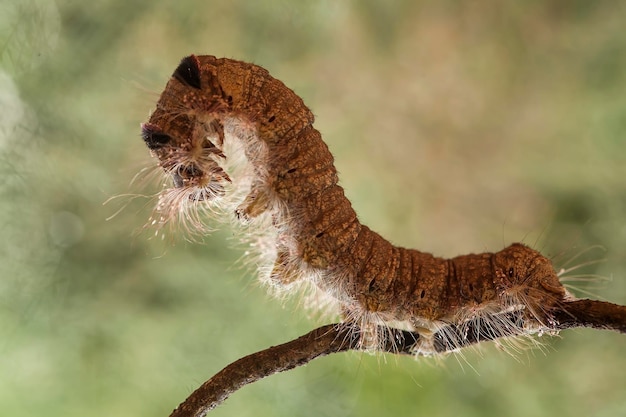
{"x": 154, "y": 138}
{"x": 188, "y": 71}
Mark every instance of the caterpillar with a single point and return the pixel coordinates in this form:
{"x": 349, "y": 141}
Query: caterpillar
{"x": 238, "y": 145}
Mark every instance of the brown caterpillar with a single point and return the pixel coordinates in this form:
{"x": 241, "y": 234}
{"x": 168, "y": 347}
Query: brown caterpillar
{"x": 239, "y": 144}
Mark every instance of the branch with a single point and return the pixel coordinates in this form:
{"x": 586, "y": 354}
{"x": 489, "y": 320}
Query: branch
{"x": 334, "y": 338}
{"x": 591, "y": 313}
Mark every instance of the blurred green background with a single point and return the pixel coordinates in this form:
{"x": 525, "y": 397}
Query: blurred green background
{"x": 457, "y": 127}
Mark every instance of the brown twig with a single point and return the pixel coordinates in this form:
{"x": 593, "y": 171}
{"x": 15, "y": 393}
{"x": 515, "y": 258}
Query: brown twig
{"x": 591, "y": 313}
{"x": 334, "y": 338}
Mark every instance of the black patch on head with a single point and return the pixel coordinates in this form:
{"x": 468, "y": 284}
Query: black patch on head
{"x": 154, "y": 138}
{"x": 188, "y": 71}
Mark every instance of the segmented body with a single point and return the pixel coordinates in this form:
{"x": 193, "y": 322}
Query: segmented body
{"x": 291, "y": 186}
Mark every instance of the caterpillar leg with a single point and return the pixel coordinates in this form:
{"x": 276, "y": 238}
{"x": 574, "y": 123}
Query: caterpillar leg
{"x": 255, "y": 203}
{"x": 283, "y": 272}
{"x": 365, "y": 324}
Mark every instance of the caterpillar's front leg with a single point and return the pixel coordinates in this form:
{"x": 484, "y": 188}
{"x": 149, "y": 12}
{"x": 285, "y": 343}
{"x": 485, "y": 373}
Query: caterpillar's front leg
{"x": 255, "y": 203}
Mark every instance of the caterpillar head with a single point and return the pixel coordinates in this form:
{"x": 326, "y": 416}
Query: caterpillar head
{"x": 185, "y": 135}
{"x": 188, "y": 155}
{"x": 526, "y": 277}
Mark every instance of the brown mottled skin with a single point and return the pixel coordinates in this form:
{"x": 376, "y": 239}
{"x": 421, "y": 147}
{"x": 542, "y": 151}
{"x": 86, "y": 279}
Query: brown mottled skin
{"x": 398, "y": 283}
